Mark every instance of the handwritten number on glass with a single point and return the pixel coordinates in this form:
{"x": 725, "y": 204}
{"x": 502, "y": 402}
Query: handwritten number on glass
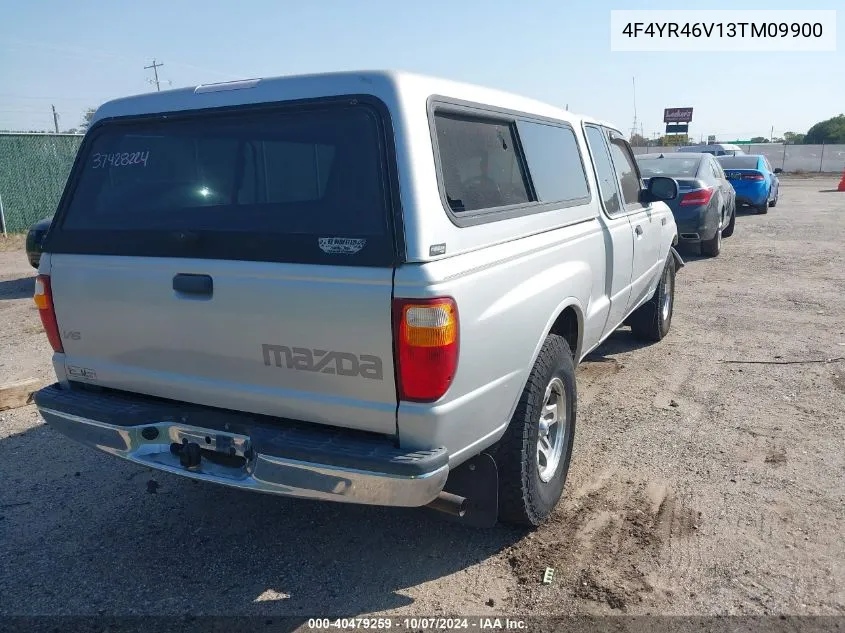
{"x": 124, "y": 159}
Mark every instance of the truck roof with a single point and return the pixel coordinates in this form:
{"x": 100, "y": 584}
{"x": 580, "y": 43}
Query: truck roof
{"x": 391, "y": 86}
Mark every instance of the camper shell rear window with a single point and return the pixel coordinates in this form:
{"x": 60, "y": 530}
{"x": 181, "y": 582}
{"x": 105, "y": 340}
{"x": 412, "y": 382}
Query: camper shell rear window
{"x": 303, "y": 183}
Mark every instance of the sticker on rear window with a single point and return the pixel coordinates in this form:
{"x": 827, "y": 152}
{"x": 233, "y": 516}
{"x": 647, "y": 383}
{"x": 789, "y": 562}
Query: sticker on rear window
{"x": 341, "y": 245}
{"x": 124, "y": 159}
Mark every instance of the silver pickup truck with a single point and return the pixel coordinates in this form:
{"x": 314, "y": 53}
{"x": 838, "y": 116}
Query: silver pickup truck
{"x": 366, "y": 287}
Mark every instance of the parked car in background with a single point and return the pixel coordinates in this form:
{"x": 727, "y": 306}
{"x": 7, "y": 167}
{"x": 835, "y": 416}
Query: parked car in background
{"x": 34, "y": 240}
{"x": 361, "y": 287}
{"x": 754, "y": 180}
{"x": 705, "y": 210}
{"x": 716, "y": 149}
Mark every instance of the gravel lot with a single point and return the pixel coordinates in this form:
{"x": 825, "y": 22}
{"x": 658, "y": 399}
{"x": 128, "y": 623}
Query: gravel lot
{"x": 697, "y": 486}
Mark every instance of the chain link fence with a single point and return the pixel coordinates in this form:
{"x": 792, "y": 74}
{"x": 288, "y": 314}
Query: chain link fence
{"x": 790, "y": 158}
{"x": 33, "y": 171}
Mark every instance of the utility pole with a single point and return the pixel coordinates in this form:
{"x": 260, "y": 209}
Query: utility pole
{"x": 155, "y": 68}
{"x": 634, "y": 126}
{"x": 772, "y": 135}
{"x": 55, "y": 118}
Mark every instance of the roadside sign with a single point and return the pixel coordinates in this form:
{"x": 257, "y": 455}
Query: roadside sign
{"x": 677, "y": 115}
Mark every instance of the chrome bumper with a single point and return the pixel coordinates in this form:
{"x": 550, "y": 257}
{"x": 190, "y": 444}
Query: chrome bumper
{"x": 256, "y": 471}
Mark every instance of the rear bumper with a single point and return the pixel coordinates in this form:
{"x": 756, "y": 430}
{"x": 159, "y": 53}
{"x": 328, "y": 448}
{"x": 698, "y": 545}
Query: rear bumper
{"x": 696, "y": 224}
{"x": 752, "y": 194}
{"x": 247, "y": 451}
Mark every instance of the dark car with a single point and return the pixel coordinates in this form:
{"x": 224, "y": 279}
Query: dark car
{"x": 705, "y": 209}
{"x": 754, "y": 180}
{"x": 34, "y": 239}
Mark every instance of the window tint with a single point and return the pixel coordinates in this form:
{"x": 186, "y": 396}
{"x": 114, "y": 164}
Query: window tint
{"x": 604, "y": 170}
{"x": 554, "y": 161}
{"x": 669, "y": 166}
{"x": 739, "y": 162}
{"x": 304, "y": 173}
{"x": 480, "y": 164}
{"x": 623, "y": 162}
{"x": 284, "y": 177}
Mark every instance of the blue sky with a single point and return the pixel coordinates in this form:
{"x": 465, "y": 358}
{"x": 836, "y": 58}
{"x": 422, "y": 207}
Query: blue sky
{"x": 78, "y": 54}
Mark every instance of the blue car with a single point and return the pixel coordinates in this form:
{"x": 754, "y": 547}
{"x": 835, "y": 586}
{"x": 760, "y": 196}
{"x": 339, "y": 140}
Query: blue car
{"x": 755, "y": 182}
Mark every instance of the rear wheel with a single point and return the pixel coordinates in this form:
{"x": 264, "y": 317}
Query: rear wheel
{"x": 729, "y": 229}
{"x": 652, "y": 320}
{"x": 712, "y": 247}
{"x": 533, "y": 455}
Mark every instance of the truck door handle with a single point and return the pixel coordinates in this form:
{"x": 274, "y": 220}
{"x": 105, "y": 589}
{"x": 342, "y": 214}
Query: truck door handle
{"x": 190, "y": 284}
{"x": 638, "y": 230}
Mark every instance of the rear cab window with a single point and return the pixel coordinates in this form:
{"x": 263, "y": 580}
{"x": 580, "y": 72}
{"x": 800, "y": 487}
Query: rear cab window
{"x": 304, "y": 184}
{"x": 497, "y": 167}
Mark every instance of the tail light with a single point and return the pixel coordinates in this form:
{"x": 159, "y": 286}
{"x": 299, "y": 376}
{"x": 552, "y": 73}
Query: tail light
{"x": 426, "y": 332}
{"x": 44, "y": 302}
{"x": 697, "y": 197}
{"x": 753, "y": 177}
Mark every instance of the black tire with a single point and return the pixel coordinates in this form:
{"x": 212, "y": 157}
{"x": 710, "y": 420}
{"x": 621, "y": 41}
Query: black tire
{"x": 774, "y": 202}
{"x": 524, "y": 498}
{"x": 650, "y": 322}
{"x": 729, "y": 229}
{"x": 712, "y": 247}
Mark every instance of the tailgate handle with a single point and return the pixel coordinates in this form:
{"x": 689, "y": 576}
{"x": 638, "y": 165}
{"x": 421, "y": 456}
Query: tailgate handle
{"x": 190, "y": 284}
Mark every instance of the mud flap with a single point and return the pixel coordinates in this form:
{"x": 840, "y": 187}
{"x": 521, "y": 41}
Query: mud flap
{"x": 478, "y": 481}
{"x": 679, "y": 263}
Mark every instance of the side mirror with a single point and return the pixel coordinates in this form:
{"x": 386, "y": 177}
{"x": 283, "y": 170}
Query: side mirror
{"x": 661, "y": 188}
{"x": 778, "y": 170}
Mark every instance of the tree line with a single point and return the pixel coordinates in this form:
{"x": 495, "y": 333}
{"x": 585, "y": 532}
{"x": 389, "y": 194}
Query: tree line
{"x": 826, "y": 132}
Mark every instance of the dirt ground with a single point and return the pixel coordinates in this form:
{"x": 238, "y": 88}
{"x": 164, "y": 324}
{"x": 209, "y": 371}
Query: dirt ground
{"x": 697, "y": 487}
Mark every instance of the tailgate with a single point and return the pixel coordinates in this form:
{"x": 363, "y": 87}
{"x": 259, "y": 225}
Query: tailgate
{"x": 241, "y": 260}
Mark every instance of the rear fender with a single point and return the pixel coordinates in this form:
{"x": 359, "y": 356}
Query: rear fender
{"x": 579, "y": 312}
